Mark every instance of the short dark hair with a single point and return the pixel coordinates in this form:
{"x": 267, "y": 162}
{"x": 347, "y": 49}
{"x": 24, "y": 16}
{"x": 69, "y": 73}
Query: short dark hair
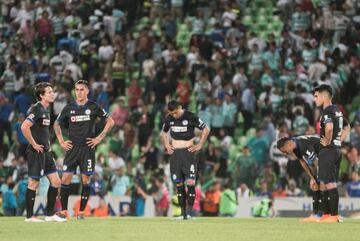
{"x": 173, "y": 105}
{"x": 323, "y": 88}
{"x": 82, "y": 82}
{"x": 40, "y": 89}
{"x": 281, "y": 143}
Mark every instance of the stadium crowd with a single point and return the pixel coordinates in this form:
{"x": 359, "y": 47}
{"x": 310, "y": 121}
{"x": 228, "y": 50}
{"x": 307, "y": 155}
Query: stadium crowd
{"x": 247, "y": 68}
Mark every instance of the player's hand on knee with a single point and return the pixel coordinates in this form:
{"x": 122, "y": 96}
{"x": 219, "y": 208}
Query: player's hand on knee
{"x": 38, "y": 148}
{"x": 66, "y": 145}
{"x": 194, "y": 148}
{"x": 92, "y": 142}
{"x": 313, "y": 185}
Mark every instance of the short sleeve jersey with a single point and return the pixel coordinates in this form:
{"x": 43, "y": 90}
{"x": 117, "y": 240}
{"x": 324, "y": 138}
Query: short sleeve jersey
{"x": 81, "y": 120}
{"x": 183, "y": 128}
{"x": 307, "y": 148}
{"x": 40, "y": 117}
{"x": 332, "y": 114}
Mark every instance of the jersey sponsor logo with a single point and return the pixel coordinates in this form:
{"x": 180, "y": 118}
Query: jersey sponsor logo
{"x": 80, "y": 118}
{"x": 46, "y": 122}
{"x": 185, "y": 122}
{"x": 338, "y": 114}
{"x": 179, "y": 129}
{"x": 88, "y": 111}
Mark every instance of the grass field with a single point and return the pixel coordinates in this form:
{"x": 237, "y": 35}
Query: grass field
{"x": 201, "y": 229}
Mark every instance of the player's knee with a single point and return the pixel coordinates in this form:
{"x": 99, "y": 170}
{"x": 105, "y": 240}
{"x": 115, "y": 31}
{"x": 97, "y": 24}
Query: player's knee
{"x": 33, "y": 184}
{"x": 85, "y": 179}
{"x": 66, "y": 178}
{"x": 56, "y": 183}
{"x": 190, "y": 182}
{"x": 322, "y": 186}
{"x": 330, "y": 185}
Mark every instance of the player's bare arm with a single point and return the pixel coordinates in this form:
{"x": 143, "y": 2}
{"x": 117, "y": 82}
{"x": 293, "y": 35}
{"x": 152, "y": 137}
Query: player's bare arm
{"x": 326, "y": 140}
{"x": 164, "y": 138}
{"x": 92, "y": 142}
{"x": 25, "y": 128}
{"x": 204, "y": 135}
{"x": 66, "y": 145}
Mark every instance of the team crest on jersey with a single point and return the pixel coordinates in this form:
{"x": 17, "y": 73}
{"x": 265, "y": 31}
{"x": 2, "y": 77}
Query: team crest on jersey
{"x": 88, "y": 111}
{"x": 185, "y": 122}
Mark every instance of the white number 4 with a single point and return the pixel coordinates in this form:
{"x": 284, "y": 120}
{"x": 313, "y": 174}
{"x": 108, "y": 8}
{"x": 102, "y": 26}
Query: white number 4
{"x": 192, "y": 168}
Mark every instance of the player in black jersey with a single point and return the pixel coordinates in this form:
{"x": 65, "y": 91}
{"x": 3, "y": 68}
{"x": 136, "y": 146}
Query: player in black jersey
{"x": 38, "y": 154}
{"x": 306, "y": 149}
{"x": 333, "y": 130}
{"x": 80, "y": 117}
{"x": 181, "y": 146}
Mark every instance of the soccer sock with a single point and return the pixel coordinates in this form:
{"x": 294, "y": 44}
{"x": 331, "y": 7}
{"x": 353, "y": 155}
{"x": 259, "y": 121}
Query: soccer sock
{"x": 30, "y": 200}
{"x": 322, "y": 207}
{"x": 181, "y": 195}
{"x": 51, "y": 198}
{"x": 64, "y": 196}
{"x": 333, "y": 201}
{"x": 316, "y": 197}
{"x": 84, "y": 196}
{"x": 190, "y": 196}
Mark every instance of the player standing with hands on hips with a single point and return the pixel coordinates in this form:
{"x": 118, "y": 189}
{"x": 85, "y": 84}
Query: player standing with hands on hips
{"x": 36, "y": 129}
{"x": 182, "y": 148}
{"x": 80, "y": 116}
{"x": 333, "y": 130}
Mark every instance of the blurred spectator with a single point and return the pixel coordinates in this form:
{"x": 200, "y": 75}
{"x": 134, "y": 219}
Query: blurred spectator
{"x": 161, "y": 198}
{"x": 353, "y": 187}
{"x": 102, "y": 210}
{"x": 120, "y": 182}
{"x": 228, "y": 202}
{"x": 212, "y": 200}
{"x": 9, "y": 201}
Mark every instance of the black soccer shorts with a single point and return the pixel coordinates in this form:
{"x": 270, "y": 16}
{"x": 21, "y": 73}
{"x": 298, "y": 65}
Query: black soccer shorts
{"x": 183, "y": 166}
{"x": 82, "y": 156}
{"x": 40, "y": 164}
{"x": 329, "y": 164}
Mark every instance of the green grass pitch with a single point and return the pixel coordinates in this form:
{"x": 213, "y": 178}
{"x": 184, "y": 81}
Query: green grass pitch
{"x": 167, "y": 229}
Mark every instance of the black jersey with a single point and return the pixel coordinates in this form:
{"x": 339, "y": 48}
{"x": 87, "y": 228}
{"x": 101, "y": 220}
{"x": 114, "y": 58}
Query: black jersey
{"x": 40, "y": 117}
{"x": 81, "y": 120}
{"x": 332, "y": 114}
{"x": 183, "y": 128}
{"x": 307, "y": 148}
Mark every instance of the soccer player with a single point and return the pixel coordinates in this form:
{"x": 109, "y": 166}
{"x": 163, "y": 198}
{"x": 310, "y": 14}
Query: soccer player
{"x": 306, "y": 149}
{"x": 333, "y": 130}
{"x": 38, "y": 154}
{"x": 182, "y": 148}
{"x": 80, "y": 116}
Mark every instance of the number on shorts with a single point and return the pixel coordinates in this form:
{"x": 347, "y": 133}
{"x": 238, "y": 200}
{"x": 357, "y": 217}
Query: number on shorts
{"x": 192, "y": 168}
{"x": 89, "y": 165}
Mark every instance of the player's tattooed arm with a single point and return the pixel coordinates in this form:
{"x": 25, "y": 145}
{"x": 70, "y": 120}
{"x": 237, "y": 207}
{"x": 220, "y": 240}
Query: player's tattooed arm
{"x": 326, "y": 140}
{"x": 164, "y": 138}
{"x": 92, "y": 142}
{"x": 204, "y": 134}
{"x": 66, "y": 145}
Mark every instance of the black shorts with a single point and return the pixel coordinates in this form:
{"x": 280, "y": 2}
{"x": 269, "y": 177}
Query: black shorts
{"x": 40, "y": 164}
{"x": 82, "y": 156}
{"x": 183, "y": 166}
{"x": 329, "y": 164}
